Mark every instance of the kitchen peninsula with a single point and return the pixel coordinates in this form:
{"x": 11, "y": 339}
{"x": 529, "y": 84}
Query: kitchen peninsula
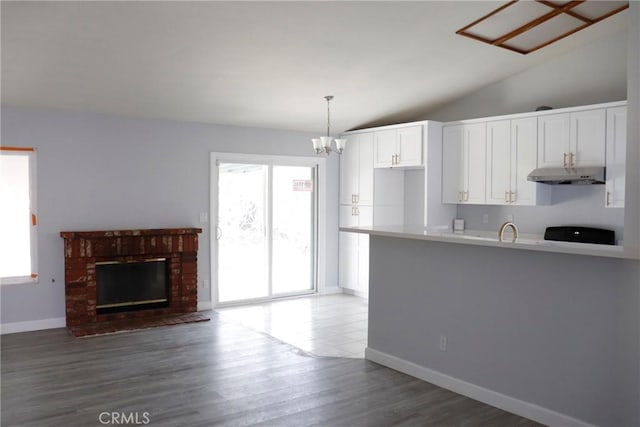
{"x": 541, "y": 329}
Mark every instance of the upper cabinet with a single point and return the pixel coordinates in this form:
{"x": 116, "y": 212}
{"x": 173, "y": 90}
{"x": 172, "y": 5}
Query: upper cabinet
{"x": 616, "y": 155}
{"x": 572, "y": 139}
{"x": 511, "y": 155}
{"x": 356, "y": 170}
{"x": 491, "y": 167}
{"x": 399, "y": 147}
{"x": 463, "y": 163}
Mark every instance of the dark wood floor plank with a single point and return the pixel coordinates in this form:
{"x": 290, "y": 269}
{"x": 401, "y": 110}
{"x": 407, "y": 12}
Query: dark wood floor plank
{"x": 215, "y": 373}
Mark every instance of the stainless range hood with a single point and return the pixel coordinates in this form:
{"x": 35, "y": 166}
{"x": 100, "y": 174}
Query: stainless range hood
{"x": 555, "y": 176}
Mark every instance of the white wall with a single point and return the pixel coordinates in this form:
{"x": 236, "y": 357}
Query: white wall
{"x": 593, "y": 74}
{"x": 107, "y": 172}
{"x": 582, "y": 205}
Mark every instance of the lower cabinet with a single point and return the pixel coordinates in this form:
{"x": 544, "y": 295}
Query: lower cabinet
{"x": 354, "y": 249}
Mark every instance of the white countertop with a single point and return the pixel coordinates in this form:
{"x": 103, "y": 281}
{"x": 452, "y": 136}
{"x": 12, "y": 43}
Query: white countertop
{"x": 531, "y": 242}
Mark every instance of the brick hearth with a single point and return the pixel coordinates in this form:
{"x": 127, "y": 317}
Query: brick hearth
{"x": 82, "y": 249}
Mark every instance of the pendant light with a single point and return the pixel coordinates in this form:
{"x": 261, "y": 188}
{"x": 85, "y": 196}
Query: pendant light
{"x": 323, "y": 144}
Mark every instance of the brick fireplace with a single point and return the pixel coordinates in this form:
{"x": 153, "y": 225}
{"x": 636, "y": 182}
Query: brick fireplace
{"x": 83, "y": 249}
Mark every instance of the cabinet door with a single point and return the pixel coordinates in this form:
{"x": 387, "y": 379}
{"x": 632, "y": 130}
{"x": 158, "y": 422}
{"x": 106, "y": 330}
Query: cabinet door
{"x": 409, "y": 146}
{"x": 365, "y": 172}
{"x": 498, "y": 162}
{"x": 588, "y": 138}
{"x": 616, "y": 156}
{"x": 452, "y": 141}
{"x": 553, "y": 140}
{"x": 348, "y": 250}
{"x": 384, "y": 148}
{"x": 524, "y": 147}
{"x": 474, "y": 165}
{"x": 349, "y": 170}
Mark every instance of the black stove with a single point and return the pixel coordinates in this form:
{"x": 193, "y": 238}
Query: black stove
{"x": 569, "y": 233}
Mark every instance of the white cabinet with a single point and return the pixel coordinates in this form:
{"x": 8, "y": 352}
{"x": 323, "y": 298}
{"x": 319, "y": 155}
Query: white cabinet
{"x": 356, "y": 209}
{"x": 401, "y": 147}
{"x": 572, "y": 139}
{"x": 353, "y": 248}
{"x": 511, "y": 155}
{"x": 356, "y": 170}
{"x": 384, "y": 152}
{"x": 463, "y": 163}
{"x": 409, "y": 146}
{"x": 616, "y": 154}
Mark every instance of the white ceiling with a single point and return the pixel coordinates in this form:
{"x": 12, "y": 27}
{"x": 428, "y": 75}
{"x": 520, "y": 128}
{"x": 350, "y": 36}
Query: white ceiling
{"x": 263, "y": 64}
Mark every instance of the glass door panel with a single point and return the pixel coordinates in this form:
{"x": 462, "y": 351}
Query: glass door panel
{"x": 243, "y": 249}
{"x": 293, "y": 242}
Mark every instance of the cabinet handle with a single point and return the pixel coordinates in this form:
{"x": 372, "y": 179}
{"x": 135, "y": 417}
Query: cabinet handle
{"x": 564, "y": 160}
{"x": 512, "y": 197}
{"x": 571, "y": 159}
{"x": 357, "y": 198}
{"x": 608, "y": 198}
{"x": 506, "y": 197}
{"x": 459, "y": 196}
{"x": 357, "y": 211}
{"x": 465, "y": 194}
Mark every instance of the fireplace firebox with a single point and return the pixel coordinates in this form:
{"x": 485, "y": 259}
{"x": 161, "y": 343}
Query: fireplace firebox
{"x": 132, "y": 285}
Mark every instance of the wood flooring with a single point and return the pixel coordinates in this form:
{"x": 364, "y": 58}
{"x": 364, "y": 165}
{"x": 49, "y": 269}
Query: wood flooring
{"x": 217, "y": 373}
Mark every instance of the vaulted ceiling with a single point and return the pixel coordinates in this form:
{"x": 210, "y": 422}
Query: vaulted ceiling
{"x": 263, "y": 64}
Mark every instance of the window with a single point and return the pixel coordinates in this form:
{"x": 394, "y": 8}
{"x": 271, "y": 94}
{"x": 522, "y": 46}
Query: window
{"x": 18, "y": 218}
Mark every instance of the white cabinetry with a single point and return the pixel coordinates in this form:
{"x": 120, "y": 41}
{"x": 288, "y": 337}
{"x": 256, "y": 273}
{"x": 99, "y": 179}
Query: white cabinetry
{"x": 356, "y": 171}
{"x": 356, "y": 208}
{"x": 616, "y": 155}
{"x": 353, "y": 271}
{"x": 572, "y": 139}
{"x": 511, "y": 155}
{"x": 401, "y": 147}
{"x": 463, "y": 167}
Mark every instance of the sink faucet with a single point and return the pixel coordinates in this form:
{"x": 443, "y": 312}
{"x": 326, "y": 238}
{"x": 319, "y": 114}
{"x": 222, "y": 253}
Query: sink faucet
{"x": 504, "y": 226}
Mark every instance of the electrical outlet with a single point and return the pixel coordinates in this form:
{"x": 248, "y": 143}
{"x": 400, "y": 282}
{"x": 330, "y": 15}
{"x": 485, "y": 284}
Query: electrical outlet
{"x": 204, "y": 217}
{"x": 205, "y": 283}
{"x": 443, "y": 343}
{"x": 485, "y": 219}
{"x": 510, "y": 218}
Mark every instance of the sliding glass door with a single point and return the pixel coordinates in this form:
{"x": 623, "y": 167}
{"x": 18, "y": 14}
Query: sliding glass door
{"x": 266, "y": 229}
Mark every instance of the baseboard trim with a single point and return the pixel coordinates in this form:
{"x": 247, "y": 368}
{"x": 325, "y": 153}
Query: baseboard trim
{"x": 32, "y": 325}
{"x": 360, "y": 294}
{"x": 205, "y": 305}
{"x": 330, "y": 291}
{"x": 481, "y": 394}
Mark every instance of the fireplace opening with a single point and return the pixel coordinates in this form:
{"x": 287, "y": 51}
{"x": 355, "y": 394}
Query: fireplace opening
{"x": 131, "y": 285}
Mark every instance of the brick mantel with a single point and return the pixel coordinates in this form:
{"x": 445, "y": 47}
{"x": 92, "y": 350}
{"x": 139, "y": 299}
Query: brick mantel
{"x": 82, "y": 249}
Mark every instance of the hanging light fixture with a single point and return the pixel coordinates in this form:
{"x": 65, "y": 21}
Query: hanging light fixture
{"x": 323, "y": 144}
